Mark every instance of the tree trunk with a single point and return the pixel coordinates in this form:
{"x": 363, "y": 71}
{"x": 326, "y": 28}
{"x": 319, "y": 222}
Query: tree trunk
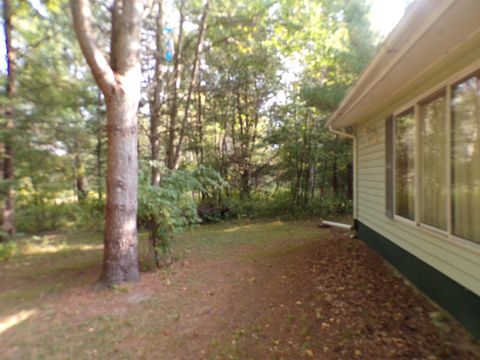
{"x": 177, "y": 77}
{"x": 334, "y": 177}
{"x": 312, "y": 180}
{"x": 156, "y": 103}
{"x": 350, "y": 181}
{"x": 120, "y": 84}
{"x": 193, "y": 82}
{"x": 155, "y": 149}
{"x": 245, "y": 183}
{"x": 80, "y": 181}
{"x": 334, "y": 170}
{"x": 99, "y": 147}
{"x": 120, "y": 254}
{"x": 8, "y": 214}
{"x": 199, "y": 145}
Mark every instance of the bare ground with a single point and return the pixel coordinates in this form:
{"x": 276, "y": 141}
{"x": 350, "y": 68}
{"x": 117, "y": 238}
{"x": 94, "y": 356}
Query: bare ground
{"x": 268, "y": 290}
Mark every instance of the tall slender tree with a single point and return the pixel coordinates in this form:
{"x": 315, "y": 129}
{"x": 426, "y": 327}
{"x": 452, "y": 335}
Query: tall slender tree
{"x": 8, "y": 224}
{"x": 119, "y": 79}
{"x": 157, "y": 95}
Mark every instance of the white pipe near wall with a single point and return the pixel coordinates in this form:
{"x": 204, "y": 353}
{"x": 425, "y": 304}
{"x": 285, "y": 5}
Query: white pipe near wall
{"x": 339, "y": 225}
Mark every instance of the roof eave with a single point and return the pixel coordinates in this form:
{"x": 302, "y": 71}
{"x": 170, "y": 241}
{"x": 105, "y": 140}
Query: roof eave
{"x": 410, "y": 28}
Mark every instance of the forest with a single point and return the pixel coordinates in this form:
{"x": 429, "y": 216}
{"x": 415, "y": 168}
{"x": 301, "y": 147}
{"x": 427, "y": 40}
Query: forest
{"x": 223, "y": 101}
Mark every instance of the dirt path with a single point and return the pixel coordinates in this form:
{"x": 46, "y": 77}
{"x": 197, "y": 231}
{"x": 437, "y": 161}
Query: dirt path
{"x": 261, "y": 291}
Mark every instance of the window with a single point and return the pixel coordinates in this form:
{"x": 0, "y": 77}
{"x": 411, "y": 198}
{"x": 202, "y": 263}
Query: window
{"x": 433, "y": 161}
{"x": 404, "y": 164}
{"x": 433, "y": 166}
{"x": 389, "y": 168}
{"x": 466, "y": 159}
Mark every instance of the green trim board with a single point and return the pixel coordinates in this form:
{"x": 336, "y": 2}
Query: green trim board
{"x": 460, "y": 302}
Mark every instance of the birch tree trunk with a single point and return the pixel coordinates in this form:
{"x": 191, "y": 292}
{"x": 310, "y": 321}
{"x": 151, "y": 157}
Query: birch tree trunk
{"x": 119, "y": 81}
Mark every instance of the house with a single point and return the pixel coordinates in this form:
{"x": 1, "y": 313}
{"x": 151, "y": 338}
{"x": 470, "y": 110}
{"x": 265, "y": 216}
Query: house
{"x": 414, "y": 115}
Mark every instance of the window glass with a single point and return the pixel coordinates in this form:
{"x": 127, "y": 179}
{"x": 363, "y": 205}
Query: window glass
{"x": 433, "y": 166}
{"x": 466, "y": 159}
{"x": 404, "y": 164}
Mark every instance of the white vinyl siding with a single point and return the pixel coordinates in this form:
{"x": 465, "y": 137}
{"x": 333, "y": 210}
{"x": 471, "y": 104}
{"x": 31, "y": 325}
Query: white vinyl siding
{"x": 398, "y": 83}
{"x": 459, "y": 260}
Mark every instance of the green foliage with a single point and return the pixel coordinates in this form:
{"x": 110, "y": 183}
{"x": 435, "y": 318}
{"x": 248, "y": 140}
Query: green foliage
{"x": 58, "y": 121}
{"x": 251, "y": 208}
{"x": 7, "y": 250}
{"x": 210, "y": 211}
{"x": 34, "y": 217}
{"x": 329, "y": 205}
{"x": 282, "y": 205}
{"x": 168, "y": 209}
{"x": 326, "y": 98}
{"x": 271, "y": 72}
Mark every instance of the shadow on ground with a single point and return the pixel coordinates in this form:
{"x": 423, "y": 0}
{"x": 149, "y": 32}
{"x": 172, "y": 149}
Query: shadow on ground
{"x": 266, "y": 290}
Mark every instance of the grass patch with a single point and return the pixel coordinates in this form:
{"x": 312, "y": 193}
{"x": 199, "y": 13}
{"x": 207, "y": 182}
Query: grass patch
{"x": 237, "y": 295}
{"x": 216, "y": 240}
{"x": 106, "y": 324}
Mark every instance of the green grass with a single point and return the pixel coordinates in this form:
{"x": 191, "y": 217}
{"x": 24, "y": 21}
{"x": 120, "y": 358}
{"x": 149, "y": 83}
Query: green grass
{"x": 216, "y": 240}
{"x": 46, "y": 268}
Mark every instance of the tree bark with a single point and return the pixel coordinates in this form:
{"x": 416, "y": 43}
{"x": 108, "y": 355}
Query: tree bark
{"x": 8, "y": 213}
{"x": 334, "y": 170}
{"x": 156, "y": 102}
{"x": 172, "y": 128}
{"x": 80, "y": 180}
{"x": 120, "y": 254}
{"x": 245, "y": 183}
{"x": 350, "y": 181}
{"x": 99, "y": 150}
{"x": 120, "y": 84}
{"x": 199, "y": 144}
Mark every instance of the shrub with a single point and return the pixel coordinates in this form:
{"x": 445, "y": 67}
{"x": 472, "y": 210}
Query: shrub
{"x": 168, "y": 209}
{"x": 33, "y": 218}
{"x": 210, "y": 211}
{"x": 7, "y": 250}
{"x": 280, "y": 205}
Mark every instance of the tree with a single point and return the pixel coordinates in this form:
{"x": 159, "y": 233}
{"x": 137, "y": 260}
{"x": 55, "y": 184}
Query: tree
{"x": 8, "y": 225}
{"x": 156, "y": 98}
{"x": 241, "y": 81}
{"x": 119, "y": 81}
{"x": 246, "y": 93}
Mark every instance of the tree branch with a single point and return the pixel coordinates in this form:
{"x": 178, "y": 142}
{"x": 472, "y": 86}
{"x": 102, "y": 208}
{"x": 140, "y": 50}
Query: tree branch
{"x": 98, "y": 63}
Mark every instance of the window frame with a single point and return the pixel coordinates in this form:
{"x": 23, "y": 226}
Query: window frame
{"x": 445, "y": 87}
